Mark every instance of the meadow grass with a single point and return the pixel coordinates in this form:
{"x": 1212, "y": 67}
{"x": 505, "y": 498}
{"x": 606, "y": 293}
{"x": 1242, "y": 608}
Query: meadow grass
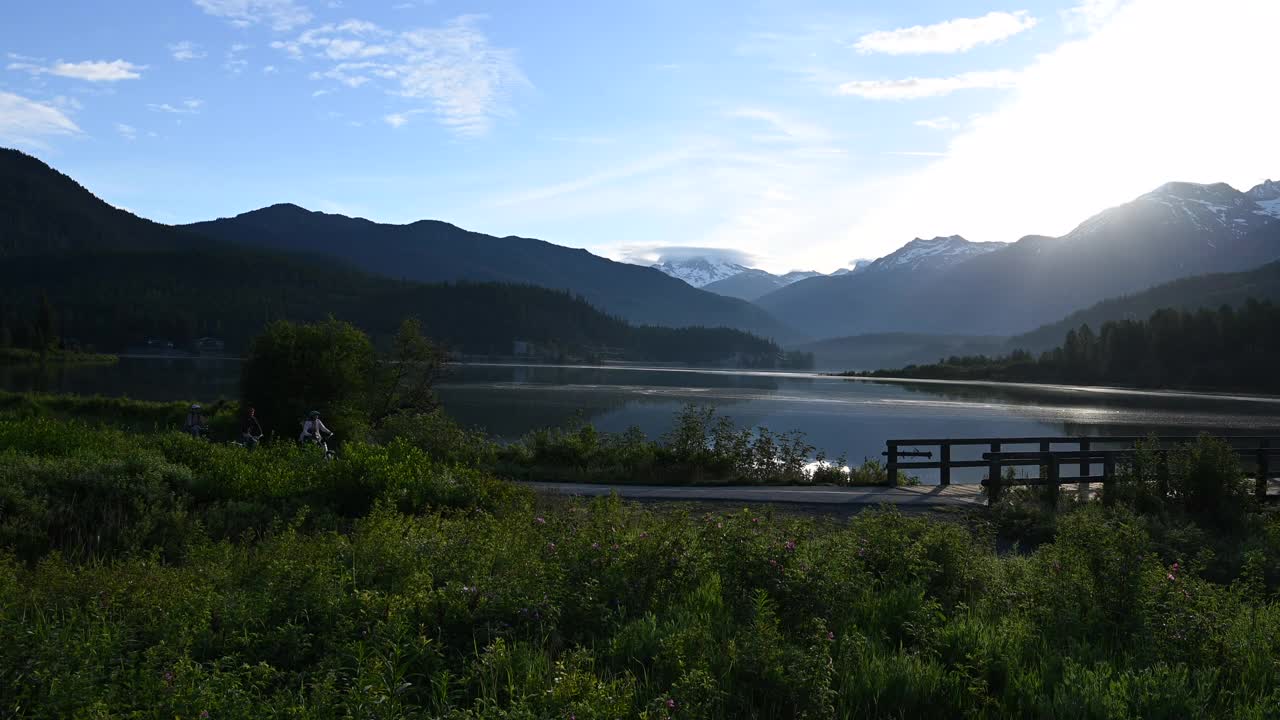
{"x": 155, "y": 575}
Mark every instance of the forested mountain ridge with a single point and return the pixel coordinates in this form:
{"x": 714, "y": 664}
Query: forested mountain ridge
{"x": 114, "y": 279}
{"x": 434, "y": 251}
{"x": 1177, "y": 230}
{"x": 1227, "y": 349}
{"x": 1209, "y": 291}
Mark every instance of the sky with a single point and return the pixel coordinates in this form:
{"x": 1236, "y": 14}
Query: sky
{"x": 789, "y": 134}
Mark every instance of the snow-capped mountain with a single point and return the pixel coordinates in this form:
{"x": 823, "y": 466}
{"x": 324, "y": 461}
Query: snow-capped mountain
{"x": 700, "y": 271}
{"x": 1267, "y": 197}
{"x": 858, "y": 266}
{"x": 935, "y": 254}
{"x": 1217, "y": 213}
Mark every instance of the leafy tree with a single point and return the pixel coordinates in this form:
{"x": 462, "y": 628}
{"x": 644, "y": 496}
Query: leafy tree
{"x": 405, "y": 382}
{"x": 292, "y": 369}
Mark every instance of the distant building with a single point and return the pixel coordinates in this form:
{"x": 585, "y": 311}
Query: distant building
{"x": 207, "y": 345}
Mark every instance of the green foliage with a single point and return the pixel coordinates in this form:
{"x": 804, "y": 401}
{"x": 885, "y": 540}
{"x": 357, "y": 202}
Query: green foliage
{"x": 294, "y": 369}
{"x": 700, "y": 448}
{"x": 160, "y": 576}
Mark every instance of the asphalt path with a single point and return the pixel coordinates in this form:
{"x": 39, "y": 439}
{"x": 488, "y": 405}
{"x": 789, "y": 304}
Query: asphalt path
{"x": 916, "y": 496}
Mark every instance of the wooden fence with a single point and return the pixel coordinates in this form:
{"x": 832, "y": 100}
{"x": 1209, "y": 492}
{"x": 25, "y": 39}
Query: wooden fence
{"x": 1261, "y": 454}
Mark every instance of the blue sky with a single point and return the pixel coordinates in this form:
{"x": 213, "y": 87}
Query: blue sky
{"x": 801, "y": 134}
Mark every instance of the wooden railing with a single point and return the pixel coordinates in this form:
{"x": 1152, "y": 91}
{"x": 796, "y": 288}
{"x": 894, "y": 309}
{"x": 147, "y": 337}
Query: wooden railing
{"x": 1263, "y": 452}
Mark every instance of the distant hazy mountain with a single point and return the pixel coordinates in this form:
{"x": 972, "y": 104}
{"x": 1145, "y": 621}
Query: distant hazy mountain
{"x": 947, "y": 285}
{"x": 858, "y": 266}
{"x": 753, "y": 283}
{"x": 433, "y": 251}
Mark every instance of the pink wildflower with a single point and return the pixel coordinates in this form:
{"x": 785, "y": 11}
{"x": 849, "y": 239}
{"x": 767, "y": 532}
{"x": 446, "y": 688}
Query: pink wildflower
{"x": 540, "y": 520}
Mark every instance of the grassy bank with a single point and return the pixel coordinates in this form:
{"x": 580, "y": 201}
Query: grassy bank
{"x": 21, "y": 356}
{"x": 703, "y": 448}
{"x": 153, "y": 575}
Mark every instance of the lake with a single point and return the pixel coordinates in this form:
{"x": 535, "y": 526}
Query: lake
{"x": 837, "y": 415}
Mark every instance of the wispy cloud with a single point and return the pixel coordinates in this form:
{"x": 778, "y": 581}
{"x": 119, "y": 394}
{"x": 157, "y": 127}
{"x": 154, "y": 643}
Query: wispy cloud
{"x": 938, "y": 123}
{"x": 186, "y": 50}
{"x": 280, "y": 15}
{"x": 186, "y": 107}
{"x": 128, "y": 132}
{"x": 89, "y": 70}
{"x": 27, "y": 122}
{"x": 952, "y": 36}
{"x": 916, "y": 153}
{"x": 913, "y": 88}
{"x": 234, "y": 63}
{"x": 454, "y": 67}
{"x": 785, "y": 128}
{"x": 400, "y": 119}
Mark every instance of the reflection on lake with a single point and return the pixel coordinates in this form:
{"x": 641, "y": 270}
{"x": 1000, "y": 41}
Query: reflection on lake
{"x": 838, "y": 415}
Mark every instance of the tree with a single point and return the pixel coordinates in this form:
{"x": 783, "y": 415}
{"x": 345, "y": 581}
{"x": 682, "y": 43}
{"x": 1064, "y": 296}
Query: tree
{"x": 405, "y": 382}
{"x": 292, "y": 369}
{"x": 45, "y": 325}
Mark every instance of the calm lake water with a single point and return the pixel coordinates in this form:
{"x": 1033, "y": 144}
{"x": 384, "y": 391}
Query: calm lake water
{"x": 837, "y": 415}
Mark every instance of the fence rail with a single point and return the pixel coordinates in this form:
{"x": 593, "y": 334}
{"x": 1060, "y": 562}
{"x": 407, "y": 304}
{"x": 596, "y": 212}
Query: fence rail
{"x": 1262, "y": 451}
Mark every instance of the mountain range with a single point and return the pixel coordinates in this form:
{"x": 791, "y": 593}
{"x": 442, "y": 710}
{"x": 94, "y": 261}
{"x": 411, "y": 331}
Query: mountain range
{"x": 434, "y": 251}
{"x": 735, "y": 280}
{"x": 114, "y": 279}
{"x": 1121, "y": 260}
{"x": 952, "y": 286}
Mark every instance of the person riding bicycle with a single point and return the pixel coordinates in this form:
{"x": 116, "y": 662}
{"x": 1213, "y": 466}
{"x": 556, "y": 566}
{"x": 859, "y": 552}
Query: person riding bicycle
{"x": 251, "y": 433}
{"x": 313, "y": 430}
{"x": 195, "y": 422}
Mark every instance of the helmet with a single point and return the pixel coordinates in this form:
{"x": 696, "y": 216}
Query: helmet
{"x": 195, "y": 406}
{"x": 314, "y": 414}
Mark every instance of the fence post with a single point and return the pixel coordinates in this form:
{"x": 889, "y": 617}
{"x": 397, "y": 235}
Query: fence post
{"x": 1054, "y": 490}
{"x": 1108, "y": 478}
{"x": 891, "y": 465}
{"x": 1086, "y": 469}
{"x": 1162, "y": 473}
{"x": 944, "y": 473}
{"x": 1264, "y": 467}
{"x": 993, "y": 476}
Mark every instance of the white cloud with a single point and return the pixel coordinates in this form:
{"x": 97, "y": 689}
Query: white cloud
{"x": 90, "y": 70}
{"x": 454, "y": 67}
{"x": 128, "y": 132}
{"x": 914, "y": 88}
{"x": 952, "y": 36}
{"x": 270, "y": 70}
{"x": 1095, "y": 123}
{"x": 186, "y": 50}
{"x": 1090, "y": 14}
{"x": 281, "y": 15}
{"x": 938, "y": 123}
{"x": 26, "y": 122}
{"x": 186, "y": 107}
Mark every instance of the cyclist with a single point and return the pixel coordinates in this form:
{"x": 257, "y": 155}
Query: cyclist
{"x": 313, "y": 430}
{"x": 195, "y": 422}
{"x": 252, "y": 430}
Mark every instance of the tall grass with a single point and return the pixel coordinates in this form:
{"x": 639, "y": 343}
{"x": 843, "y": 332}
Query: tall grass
{"x": 159, "y": 576}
